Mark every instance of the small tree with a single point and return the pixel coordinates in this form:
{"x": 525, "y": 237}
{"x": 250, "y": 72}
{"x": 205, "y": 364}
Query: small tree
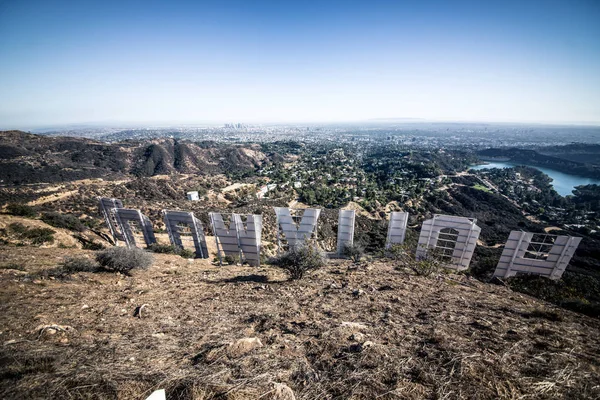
{"x": 299, "y": 260}
{"x": 426, "y": 265}
{"x": 122, "y": 259}
{"x": 354, "y": 251}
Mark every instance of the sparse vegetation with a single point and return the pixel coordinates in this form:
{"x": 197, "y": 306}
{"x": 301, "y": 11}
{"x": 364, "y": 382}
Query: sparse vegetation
{"x": 187, "y": 253}
{"x": 18, "y": 267}
{"x": 405, "y": 258}
{"x": 354, "y": 251}
{"x": 230, "y": 260}
{"x": 21, "y": 210}
{"x": 123, "y": 260}
{"x": 71, "y": 265}
{"x": 574, "y": 291}
{"x": 64, "y": 221}
{"x": 481, "y": 187}
{"x": 170, "y": 249}
{"x": 36, "y": 236}
{"x": 300, "y": 259}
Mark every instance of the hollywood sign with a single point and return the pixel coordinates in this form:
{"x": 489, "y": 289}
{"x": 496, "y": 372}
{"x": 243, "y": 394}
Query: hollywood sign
{"x": 451, "y": 238}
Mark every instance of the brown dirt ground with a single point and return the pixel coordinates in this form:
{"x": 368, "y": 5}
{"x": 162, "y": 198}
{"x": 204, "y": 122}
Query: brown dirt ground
{"x": 340, "y": 333}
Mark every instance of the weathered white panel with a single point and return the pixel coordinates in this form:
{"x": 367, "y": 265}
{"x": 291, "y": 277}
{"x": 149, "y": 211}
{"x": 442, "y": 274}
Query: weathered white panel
{"x": 464, "y": 238}
{"x": 125, "y": 216}
{"x": 226, "y": 236}
{"x": 240, "y": 236}
{"x": 514, "y": 261}
{"x": 249, "y": 236}
{"x": 106, "y": 206}
{"x": 396, "y": 228}
{"x": 296, "y": 233}
{"x": 345, "y": 234}
{"x": 173, "y": 220}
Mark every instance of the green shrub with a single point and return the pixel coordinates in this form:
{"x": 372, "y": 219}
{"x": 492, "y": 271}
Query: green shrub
{"x": 123, "y": 260}
{"x": 36, "y": 236}
{"x": 230, "y": 260}
{"x": 299, "y": 260}
{"x": 170, "y": 249}
{"x": 17, "y": 228}
{"x": 187, "y": 253}
{"x": 65, "y": 221}
{"x": 72, "y": 265}
{"x": 163, "y": 248}
{"x": 16, "y": 266}
{"x": 354, "y": 251}
{"x": 21, "y": 210}
{"x": 40, "y": 236}
{"x": 92, "y": 245}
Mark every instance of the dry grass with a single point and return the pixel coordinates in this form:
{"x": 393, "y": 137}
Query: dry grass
{"x": 365, "y": 333}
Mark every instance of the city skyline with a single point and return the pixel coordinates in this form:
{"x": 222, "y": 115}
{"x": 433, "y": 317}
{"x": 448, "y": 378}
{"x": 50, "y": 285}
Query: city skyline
{"x": 268, "y": 62}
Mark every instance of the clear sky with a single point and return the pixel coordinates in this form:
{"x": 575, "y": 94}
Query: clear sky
{"x": 292, "y": 61}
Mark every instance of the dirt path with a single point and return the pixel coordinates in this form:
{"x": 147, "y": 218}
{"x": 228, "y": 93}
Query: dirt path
{"x": 52, "y": 197}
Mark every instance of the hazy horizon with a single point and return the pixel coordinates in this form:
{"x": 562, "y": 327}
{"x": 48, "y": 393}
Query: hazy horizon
{"x": 374, "y": 121}
{"x": 149, "y": 63}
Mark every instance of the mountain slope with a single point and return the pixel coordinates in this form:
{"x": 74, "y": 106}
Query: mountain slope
{"x": 26, "y": 158}
{"x": 361, "y": 333}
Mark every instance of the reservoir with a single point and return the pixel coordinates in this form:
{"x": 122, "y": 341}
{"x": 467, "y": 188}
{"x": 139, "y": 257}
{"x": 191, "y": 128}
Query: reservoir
{"x": 563, "y": 183}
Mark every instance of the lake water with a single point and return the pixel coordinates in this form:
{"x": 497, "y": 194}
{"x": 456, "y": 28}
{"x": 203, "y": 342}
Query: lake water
{"x": 563, "y": 183}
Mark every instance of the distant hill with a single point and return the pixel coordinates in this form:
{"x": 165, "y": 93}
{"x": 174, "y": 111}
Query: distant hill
{"x": 578, "y": 152}
{"x": 563, "y": 158}
{"x": 29, "y": 158}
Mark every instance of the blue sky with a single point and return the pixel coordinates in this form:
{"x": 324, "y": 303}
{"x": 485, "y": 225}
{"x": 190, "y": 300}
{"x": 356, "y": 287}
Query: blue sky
{"x": 282, "y": 61}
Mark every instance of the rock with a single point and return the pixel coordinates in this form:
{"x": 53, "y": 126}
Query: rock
{"x": 283, "y": 392}
{"x": 158, "y": 335}
{"x": 358, "y": 292}
{"x": 367, "y": 344}
{"x": 85, "y": 306}
{"x": 50, "y": 331}
{"x": 357, "y": 337}
{"x": 243, "y": 346}
{"x": 354, "y": 325}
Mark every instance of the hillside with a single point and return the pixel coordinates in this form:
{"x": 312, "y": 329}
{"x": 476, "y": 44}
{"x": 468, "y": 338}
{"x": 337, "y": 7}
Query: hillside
{"x": 26, "y": 158}
{"x": 361, "y": 333}
{"x": 568, "y": 160}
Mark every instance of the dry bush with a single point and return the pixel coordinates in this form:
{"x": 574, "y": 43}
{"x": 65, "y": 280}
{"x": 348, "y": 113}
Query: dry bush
{"x": 71, "y": 265}
{"x": 122, "y": 259}
{"x": 354, "y": 251}
{"x": 299, "y": 260}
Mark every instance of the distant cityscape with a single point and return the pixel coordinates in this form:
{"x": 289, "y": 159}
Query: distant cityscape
{"x": 424, "y": 135}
